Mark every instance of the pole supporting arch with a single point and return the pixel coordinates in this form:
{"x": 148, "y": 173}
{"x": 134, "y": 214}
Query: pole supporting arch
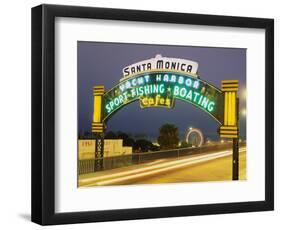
{"x": 229, "y": 129}
{"x": 98, "y": 126}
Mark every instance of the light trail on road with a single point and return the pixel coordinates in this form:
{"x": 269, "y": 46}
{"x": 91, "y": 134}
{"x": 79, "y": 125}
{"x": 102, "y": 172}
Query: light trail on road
{"x": 153, "y": 168}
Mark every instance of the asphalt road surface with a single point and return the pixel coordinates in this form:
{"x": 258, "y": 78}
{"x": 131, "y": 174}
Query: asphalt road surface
{"x": 213, "y": 166}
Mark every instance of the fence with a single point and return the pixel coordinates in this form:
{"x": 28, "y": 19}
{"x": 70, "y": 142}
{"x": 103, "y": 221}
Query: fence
{"x": 88, "y": 166}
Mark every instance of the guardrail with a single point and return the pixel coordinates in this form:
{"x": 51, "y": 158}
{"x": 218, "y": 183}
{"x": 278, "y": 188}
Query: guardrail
{"x": 88, "y": 166}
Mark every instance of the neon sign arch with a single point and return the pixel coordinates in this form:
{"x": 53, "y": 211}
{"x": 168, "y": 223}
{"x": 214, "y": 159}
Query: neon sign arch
{"x": 160, "y": 88}
{"x": 158, "y": 82}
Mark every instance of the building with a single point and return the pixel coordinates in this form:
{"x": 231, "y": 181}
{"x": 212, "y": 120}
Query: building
{"x": 112, "y": 148}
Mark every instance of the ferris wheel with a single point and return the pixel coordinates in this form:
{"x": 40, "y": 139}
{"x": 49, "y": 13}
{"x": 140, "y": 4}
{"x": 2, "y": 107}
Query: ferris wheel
{"x": 194, "y": 137}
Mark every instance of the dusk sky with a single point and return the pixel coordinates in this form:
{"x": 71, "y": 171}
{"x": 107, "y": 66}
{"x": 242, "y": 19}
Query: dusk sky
{"x": 101, "y": 63}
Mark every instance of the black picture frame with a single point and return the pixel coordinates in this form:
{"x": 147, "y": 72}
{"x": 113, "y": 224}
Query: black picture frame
{"x": 43, "y": 114}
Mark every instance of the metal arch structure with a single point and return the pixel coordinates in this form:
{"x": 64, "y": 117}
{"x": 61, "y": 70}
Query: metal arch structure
{"x": 195, "y": 130}
{"x": 160, "y": 88}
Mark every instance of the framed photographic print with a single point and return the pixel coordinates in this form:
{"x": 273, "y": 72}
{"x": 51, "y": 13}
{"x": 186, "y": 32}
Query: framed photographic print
{"x": 143, "y": 114}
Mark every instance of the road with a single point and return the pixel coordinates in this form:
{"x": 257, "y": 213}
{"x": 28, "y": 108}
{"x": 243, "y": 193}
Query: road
{"x": 214, "y": 166}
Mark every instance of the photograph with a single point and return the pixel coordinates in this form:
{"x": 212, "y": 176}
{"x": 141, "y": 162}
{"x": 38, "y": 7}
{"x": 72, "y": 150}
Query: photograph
{"x": 142, "y": 113}
{"x": 154, "y": 114}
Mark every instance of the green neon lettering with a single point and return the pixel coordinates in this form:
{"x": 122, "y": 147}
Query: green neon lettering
{"x": 205, "y": 102}
{"x": 188, "y": 82}
{"x": 189, "y": 95}
{"x": 116, "y": 101}
{"x": 121, "y": 99}
{"x": 173, "y": 78}
{"x": 196, "y": 84}
{"x": 125, "y": 96}
{"x": 183, "y": 92}
{"x": 195, "y": 96}
{"x": 128, "y": 84}
{"x": 210, "y": 107}
{"x": 140, "y": 90}
{"x": 133, "y": 92}
{"x": 111, "y": 104}
{"x": 140, "y": 80}
{"x": 166, "y": 78}
{"x": 108, "y": 110}
{"x": 200, "y": 99}
{"x": 158, "y": 77}
{"x": 134, "y": 82}
{"x": 181, "y": 80}
{"x": 146, "y": 89}
{"x": 161, "y": 88}
{"x": 146, "y": 77}
{"x": 176, "y": 91}
{"x": 155, "y": 88}
{"x": 122, "y": 87}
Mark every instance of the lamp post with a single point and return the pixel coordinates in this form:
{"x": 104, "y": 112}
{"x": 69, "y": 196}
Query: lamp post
{"x": 235, "y": 149}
